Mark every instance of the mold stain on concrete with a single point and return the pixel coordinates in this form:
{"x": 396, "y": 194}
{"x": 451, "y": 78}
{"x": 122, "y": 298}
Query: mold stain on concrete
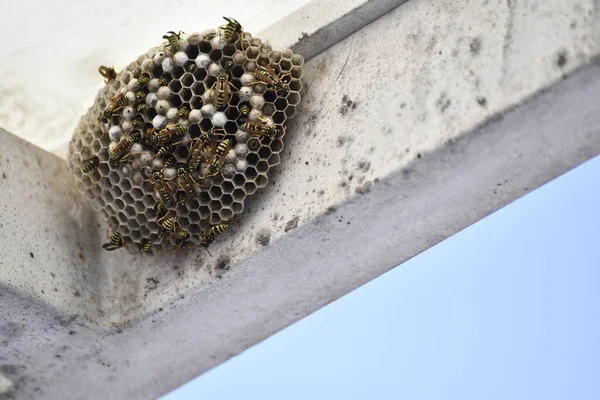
{"x": 264, "y": 237}
{"x": 291, "y": 224}
{"x": 347, "y": 106}
{"x": 561, "y": 59}
{"x": 443, "y": 102}
{"x": 475, "y": 46}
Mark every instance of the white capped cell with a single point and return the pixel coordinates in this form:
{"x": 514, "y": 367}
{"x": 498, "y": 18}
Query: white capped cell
{"x": 245, "y": 93}
{"x": 195, "y": 116}
{"x": 126, "y": 126}
{"x": 148, "y": 65}
{"x": 146, "y": 158}
{"x": 217, "y": 42}
{"x": 151, "y": 99}
{"x": 247, "y": 78}
{"x": 159, "y": 122}
{"x": 194, "y": 39}
{"x": 241, "y": 150}
{"x": 202, "y": 60}
{"x": 214, "y": 69}
{"x": 241, "y": 136}
{"x": 170, "y": 173}
{"x": 114, "y": 133}
{"x": 164, "y": 93}
{"x": 180, "y": 58}
{"x": 219, "y": 119}
{"x": 257, "y": 102}
{"x": 159, "y": 57}
{"x": 172, "y": 114}
{"x": 208, "y": 110}
{"x": 133, "y": 85}
{"x": 241, "y": 165}
{"x": 230, "y": 158}
{"x": 130, "y": 97}
{"x": 128, "y": 113}
{"x": 168, "y": 64}
{"x": 153, "y": 85}
{"x": 162, "y": 106}
{"x": 255, "y": 115}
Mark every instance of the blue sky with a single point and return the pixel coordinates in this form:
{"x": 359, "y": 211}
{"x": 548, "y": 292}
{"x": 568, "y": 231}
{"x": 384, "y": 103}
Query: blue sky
{"x": 506, "y": 309}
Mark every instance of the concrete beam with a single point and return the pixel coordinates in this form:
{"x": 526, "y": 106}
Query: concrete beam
{"x": 399, "y": 143}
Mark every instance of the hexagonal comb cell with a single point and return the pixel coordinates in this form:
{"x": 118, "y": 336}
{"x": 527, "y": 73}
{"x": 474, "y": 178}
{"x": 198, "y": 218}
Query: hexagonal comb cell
{"x": 184, "y": 135}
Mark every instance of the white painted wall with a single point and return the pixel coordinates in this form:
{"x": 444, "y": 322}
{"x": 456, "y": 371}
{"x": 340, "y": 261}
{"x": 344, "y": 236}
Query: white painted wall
{"x": 51, "y": 51}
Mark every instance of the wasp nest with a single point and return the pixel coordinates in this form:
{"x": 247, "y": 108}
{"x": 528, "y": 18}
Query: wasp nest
{"x": 176, "y": 142}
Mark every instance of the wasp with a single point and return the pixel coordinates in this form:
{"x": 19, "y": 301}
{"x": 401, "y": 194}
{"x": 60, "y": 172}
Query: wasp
{"x": 186, "y": 182}
{"x": 164, "y": 191}
{"x": 138, "y": 122}
{"x": 165, "y": 150}
{"x": 121, "y": 150}
{"x": 191, "y": 67}
{"x": 182, "y": 199}
{"x": 184, "y": 111}
{"x": 160, "y": 209}
{"x": 141, "y": 95}
{"x": 231, "y": 29}
{"x": 164, "y": 80}
{"x": 245, "y": 110}
{"x": 210, "y": 234}
{"x": 218, "y": 154}
{"x": 195, "y": 153}
{"x": 89, "y": 165}
{"x": 169, "y": 161}
{"x": 227, "y": 64}
{"x": 146, "y": 246}
{"x": 173, "y": 40}
{"x": 143, "y": 78}
{"x": 167, "y": 135}
{"x": 181, "y": 235}
{"x": 268, "y": 76}
{"x": 197, "y": 147}
{"x": 169, "y": 224}
{"x": 141, "y": 107}
{"x": 108, "y": 73}
{"x": 261, "y": 129}
{"x": 116, "y": 241}
{"x": 220, "y": 91}
{"x": 115, "y": 104}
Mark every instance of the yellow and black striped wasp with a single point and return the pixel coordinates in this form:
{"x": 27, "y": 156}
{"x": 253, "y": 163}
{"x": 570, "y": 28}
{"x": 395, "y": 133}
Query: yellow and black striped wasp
{"x": 198, "y": 145}
{"x": 268, "y": 76}
{"x": 173, "y": 39}
{"x": 231, "y": 29}
{"x": 167, "y": 135}
{"x": 220, "y": 91}
{"x": 143, "y": 78}
{"x": 120, "y": 152}
{"x": 210, "y": 234}
{"x": 146, "y": 246}
{"x": 263, "y": 130}
{"x": 217, "y": 152}
{"x": 89, "y": 165}
{"x": 157, "y": 179}
{"x": 115, "y": 241}
{"x": 114, "y": 104}
{"x": 185, "y": 182}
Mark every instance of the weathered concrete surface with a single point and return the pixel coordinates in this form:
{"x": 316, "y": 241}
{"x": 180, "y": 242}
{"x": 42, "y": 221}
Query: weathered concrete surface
{"x": 398, "y": 145}
{"x": 322, "y": 23}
